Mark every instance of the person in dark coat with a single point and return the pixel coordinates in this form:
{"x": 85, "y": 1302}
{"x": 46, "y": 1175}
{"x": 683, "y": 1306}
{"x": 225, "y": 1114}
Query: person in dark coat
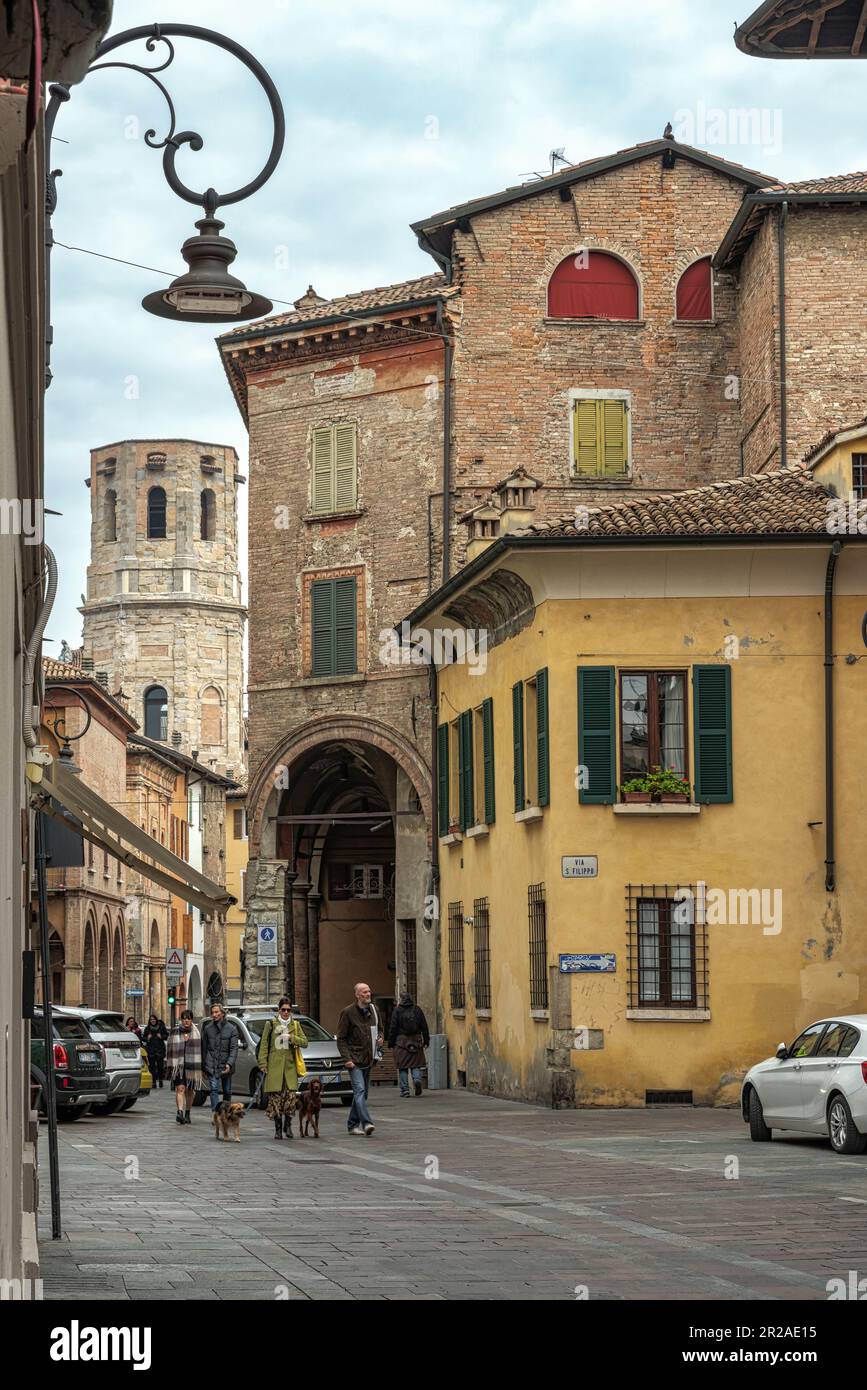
{"x": 219, "y": 1055}
{"x": 359, "y": 1039}
{"x": 154, "y": 1042}
{"x": 408, "y": 1035}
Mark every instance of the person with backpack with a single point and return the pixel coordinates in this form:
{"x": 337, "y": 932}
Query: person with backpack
{"x": 408, "y": 1036}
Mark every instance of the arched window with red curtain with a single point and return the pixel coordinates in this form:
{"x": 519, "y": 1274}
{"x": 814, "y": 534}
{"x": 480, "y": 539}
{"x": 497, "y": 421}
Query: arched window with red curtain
{"x": 592, "y": 285}
{"x": 695, "y": 291}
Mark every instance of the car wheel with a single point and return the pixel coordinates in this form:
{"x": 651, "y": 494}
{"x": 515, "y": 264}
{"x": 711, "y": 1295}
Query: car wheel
{"x": 346, "y": 1100}
{"x": 73, "y": 1112}
{"x": 759, "y": 1132}
{"x": 254, "y": 1082}
{"x": 844, "y": 1137}
{"x": 128, "y": 1103}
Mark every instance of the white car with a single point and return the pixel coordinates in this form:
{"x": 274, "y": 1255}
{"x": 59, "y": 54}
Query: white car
{"x": 817, "y": 1086}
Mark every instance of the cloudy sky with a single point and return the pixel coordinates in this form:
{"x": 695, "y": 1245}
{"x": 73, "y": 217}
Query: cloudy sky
{"x": 394, "y": 109}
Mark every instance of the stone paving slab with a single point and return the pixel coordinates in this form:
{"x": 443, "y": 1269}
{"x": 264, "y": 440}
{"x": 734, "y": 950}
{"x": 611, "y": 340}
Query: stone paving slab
{"x": 527, "y": 1204}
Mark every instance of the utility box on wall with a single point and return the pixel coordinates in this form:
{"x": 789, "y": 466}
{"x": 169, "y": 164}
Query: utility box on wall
{"x": 438, "y": 1063}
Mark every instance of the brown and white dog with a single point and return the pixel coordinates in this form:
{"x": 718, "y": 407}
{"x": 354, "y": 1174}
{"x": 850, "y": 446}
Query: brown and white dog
{"x": 228, "y": 1117}
{"x": 309, "y": 1105}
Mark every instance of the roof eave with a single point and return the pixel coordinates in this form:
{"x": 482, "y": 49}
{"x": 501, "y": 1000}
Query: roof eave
{"x": 427, "y": 226}
{"x": 464, "y": 577}
{"x": 756, "y": 201}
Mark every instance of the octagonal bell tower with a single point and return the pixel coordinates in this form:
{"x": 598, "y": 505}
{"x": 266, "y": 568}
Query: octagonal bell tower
{"x": 163, "y": 616}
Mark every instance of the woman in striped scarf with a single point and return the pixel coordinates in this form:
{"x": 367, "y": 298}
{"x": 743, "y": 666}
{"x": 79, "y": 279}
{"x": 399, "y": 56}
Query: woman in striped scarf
{"x": 184, "y": 1064}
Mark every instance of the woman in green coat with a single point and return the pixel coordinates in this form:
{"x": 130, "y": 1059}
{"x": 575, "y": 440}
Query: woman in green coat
{"x": 278, "y": 1056}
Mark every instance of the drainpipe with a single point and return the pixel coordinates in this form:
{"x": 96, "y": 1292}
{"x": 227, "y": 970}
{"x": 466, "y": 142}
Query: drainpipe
{"x": 434, "y": 833}
{"x": 784, "y": 403}
{"x": 830, "y": 827}
{"x": 447, "y": 429}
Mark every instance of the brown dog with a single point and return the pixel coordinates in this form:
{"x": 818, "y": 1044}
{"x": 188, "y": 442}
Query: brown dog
{"x": 226, "y": 1118}
{"x": 309, "y": 1105}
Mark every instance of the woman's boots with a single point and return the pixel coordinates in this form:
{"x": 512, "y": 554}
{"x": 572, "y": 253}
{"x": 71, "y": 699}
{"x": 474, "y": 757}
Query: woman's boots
{"x": 278, "y": 1128}
{"x": 287, "y": 1126}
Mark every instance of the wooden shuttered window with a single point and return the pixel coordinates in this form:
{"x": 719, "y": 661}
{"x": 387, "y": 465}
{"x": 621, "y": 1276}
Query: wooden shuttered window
{"x": 712, "y": 704}
{"x": 334, "y": 620}
{"x": 543, "y": 740}
{"x": 466, "y": 807}
{"x": 518, "y": 742}
{"x": 443, "y": 779}
{"x": 488, "y": 760}
{"x": 600, "y": 431}
{"x": 334, "y": 468}
{"x": 597, "y": 736}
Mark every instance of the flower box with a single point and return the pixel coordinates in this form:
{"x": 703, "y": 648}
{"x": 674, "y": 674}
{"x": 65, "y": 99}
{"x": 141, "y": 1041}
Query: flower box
{"x": 675, "y": 796}
{"x": 632, "y": 797}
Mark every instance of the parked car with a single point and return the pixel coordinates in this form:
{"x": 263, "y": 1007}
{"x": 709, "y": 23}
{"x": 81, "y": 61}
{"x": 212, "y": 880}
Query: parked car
{"x": 79, "y": 1065}
{"x": 147, "y": 1080}
{"x": 321, "y": 1056}
{"x": 818, "y": 1085}
{"x": 122, "y": 1057}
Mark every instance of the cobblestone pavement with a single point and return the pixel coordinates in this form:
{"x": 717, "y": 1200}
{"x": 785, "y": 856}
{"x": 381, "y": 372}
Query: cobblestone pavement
{"x": 526, "y": 1203}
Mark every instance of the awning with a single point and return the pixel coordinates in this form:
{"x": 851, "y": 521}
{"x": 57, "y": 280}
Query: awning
{"x": 109, "y": 830}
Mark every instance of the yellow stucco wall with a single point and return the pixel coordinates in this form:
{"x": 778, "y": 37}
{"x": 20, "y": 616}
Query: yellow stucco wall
{"x": 762, "y": 988}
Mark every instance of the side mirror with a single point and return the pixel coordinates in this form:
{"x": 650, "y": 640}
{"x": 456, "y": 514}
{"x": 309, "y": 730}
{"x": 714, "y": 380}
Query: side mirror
{"x": 782, "y": 1052}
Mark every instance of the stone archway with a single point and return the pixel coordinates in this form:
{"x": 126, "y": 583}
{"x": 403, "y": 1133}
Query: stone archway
{"x": 88, "y": 966}
{"x": 56, "y": 963}
{"x": 155, "y": 973}
{"x": 103, "y": 977}
{"x": 194, "y": 993}
{"x": 342, "y": 823}
{"x": 117, "y": 986}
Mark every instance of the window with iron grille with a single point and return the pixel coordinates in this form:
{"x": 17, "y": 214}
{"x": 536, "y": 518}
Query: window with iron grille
{"x": 457, "y": 991}
{"x": 482, "y": 952}
{"x": 538, "y": 946}
{"x": 410, "y": 960}
{"x": 667, "y": 958}
{"x": 859, "y": 476}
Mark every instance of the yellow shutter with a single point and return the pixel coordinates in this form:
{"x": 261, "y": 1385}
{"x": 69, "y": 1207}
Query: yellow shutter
{"x": 615, "y": 438}
{"x": 323, "y": 470}
{"x": 345, "y": 468}
{"x": 586, "y": 437}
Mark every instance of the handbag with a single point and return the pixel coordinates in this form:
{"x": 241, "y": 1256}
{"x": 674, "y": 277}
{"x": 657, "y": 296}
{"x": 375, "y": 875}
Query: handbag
{"x": 299, "y": 1063}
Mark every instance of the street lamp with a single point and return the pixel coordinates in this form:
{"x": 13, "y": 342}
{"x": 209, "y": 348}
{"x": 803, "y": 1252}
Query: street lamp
{"x": 206, "y": 292}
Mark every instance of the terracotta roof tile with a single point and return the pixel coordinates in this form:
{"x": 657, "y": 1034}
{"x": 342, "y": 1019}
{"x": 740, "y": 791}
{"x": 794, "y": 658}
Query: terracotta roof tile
{"x": 832, "y": 183}
{"x": 782, "y": 503}
{"x": 382, "y": 297}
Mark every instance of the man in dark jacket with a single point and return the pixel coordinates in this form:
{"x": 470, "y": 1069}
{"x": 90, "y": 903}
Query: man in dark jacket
{"x": 359, "y": 1039}
{"x": 408, "y": 1035}
{"x": 219, "y": 1054}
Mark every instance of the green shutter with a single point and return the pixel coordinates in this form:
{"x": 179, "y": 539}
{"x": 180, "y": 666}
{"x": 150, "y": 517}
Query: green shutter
{"x": 712, "y": 705}
{"x": 597, "y": 735}
{"x": 323, "y": 470}
{"x": 465, "y": 770}
{"x": 333, "y": 626}
{"x": 518, "y": 736}
{"x": 322, "y": 625}
{"x": 543, "y": 741}
{"x": 615, "y": 438}
{"x": 488, "y": 757}
{"x": 585, "y": 439}
{"x": 345, "y": 626}
{"x": 443, "y": 779}
{"x": 344, "y": 468}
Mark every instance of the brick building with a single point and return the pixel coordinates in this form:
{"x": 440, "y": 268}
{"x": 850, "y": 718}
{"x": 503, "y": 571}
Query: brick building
{"x": 611, "y": 331}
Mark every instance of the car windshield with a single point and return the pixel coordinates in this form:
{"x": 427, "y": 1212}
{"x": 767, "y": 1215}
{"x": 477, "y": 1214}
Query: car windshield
{"x": 313, "y": 1031}
{"x": 108, "y": 1023}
